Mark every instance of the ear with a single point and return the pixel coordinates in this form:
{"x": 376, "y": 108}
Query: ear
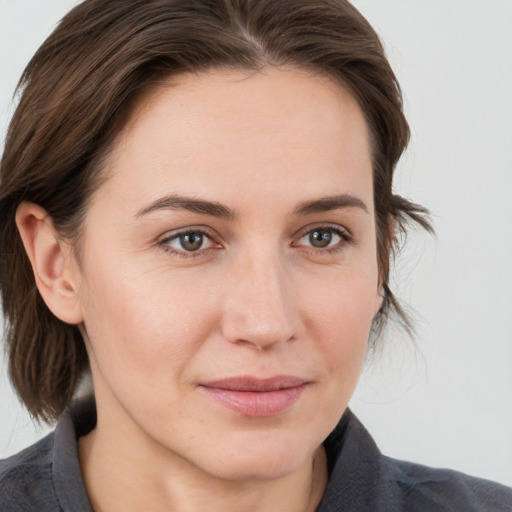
{"x": 53, "y": 264}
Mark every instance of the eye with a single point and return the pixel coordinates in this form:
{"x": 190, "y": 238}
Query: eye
{"x": 324, "y": 238}
{"x": 187, "y": 243}
{"x": 321, "y": 238}
{"x": 192, "y": 241}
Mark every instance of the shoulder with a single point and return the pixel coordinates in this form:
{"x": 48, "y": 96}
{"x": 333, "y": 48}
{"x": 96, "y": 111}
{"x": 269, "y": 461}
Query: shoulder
{"x": 420, "y": 487}
{"x": 26, "y": 481}
{"x": 363, "y": 479}
{"x": 46, "y": 477}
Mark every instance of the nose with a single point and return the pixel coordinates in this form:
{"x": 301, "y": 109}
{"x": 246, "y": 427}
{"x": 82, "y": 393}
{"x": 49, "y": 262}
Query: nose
{"x": 259, "y": 307}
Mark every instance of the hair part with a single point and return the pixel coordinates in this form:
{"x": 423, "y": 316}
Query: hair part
{"x": 75, "y": 97}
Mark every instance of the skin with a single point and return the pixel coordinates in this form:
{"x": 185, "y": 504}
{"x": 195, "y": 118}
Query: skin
{"x": 256, "y": 299}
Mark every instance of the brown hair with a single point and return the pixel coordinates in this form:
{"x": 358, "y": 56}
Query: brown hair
{"x": 77, "y": 91}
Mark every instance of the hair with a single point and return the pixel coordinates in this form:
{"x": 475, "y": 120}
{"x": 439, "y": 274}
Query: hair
{"x": 76, "y": 94}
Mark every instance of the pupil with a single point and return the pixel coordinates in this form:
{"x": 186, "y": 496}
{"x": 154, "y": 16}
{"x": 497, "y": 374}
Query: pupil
{"x": 320, "y": 238}
{"x": 191, "y": 241}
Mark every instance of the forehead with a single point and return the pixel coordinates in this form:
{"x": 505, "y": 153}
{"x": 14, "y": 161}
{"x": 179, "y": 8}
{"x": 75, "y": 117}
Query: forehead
{"x": 226, "y": 131}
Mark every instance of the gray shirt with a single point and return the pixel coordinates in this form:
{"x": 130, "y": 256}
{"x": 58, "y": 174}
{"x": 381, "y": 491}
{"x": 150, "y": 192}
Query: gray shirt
{"x": 46, "y": 477}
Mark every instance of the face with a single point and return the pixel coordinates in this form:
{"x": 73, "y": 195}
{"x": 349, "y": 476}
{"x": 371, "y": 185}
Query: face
{"x": 228, "y": 277}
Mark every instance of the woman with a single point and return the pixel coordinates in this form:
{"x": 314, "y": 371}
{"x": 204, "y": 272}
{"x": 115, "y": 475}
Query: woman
{"x": 197, "y": 205}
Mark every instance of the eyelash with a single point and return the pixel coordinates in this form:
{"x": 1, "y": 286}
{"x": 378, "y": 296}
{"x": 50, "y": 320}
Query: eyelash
{"x": 164, "y": 243}
{"x": 345, "y": 238}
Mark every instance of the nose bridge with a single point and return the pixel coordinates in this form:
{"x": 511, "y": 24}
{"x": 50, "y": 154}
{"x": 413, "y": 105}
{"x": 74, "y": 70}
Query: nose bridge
{"x": 260, "y": 308}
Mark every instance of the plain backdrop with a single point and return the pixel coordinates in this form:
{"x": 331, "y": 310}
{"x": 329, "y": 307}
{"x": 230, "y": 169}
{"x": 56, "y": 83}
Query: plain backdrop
{"x": 445, "y": 400}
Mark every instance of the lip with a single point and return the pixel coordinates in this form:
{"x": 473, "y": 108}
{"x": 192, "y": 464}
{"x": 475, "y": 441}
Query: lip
{"x": 251, "y": 396}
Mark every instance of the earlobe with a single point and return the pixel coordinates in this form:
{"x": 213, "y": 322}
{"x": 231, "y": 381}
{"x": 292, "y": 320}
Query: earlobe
{"x": 51, "y": 262}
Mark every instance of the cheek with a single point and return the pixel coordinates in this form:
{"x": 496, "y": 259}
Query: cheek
{"x": 345, "y": 301}
{"x": 340, "y": 318}
{"x": 136, "y": 320}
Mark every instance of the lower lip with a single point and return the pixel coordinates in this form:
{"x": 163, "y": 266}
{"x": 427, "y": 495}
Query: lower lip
{"x": 253, "y": 403}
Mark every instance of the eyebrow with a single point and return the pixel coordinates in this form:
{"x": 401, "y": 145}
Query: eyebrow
{"x": 326, "y": 204}
{"x": 176, "y": 202}
{"x": 215, "y": 209}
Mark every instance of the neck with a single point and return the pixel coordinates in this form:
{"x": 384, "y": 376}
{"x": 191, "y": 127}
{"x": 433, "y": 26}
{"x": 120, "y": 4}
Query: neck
{"x": 130, "y": 475}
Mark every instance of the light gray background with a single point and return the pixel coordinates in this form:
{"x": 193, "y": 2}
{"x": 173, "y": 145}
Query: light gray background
{"x": 447, "y": 401}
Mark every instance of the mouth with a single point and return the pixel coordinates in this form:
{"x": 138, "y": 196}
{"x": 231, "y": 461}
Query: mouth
{"x": 250, "y": 396}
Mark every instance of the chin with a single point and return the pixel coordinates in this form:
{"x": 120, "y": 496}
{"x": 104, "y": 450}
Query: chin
{"x": 255, "y": 469}
{"x": 260, "y": 458}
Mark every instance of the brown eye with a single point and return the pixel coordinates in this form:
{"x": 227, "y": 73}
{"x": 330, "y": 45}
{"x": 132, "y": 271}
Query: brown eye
{"x": 189, "y": 243}
{"x": 192, "y": 241}
{"x": 320, "y": 238}
{"x": 324, "y": 238}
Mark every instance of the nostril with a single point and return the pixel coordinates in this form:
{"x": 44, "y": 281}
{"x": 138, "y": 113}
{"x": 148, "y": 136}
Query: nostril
{"x": 263, "y": 345}
{"x": 245, "y": 330}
